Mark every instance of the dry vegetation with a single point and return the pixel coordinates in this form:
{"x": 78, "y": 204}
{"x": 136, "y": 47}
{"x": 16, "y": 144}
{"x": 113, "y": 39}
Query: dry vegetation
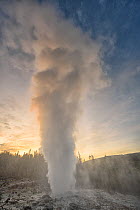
{"x": 119, "y": 173}
{"x": 31, "y": 166}
{"x": 115, "y": 173}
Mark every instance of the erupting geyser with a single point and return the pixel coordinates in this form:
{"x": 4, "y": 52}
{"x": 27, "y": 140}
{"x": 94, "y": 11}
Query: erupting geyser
{"x": 67, "y": 63}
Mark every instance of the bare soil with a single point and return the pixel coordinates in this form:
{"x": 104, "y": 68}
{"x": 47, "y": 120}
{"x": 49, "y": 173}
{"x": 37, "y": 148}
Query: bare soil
{"x": 35, "y": 195}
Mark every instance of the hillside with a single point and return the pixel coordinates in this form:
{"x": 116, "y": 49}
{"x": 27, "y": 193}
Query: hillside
{"x": 113, "y": 173}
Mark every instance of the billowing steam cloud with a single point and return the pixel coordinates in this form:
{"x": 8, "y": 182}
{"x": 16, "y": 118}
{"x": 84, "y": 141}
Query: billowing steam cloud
{"x": 68, "y": 65}
{"x": 68, "y": 60}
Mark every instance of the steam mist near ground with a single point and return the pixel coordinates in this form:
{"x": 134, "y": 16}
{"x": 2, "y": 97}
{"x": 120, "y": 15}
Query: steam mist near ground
{"x": 68, "y": 65}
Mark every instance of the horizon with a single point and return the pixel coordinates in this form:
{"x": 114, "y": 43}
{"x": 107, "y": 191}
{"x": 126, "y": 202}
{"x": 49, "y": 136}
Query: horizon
{"x": 87, "y": 158}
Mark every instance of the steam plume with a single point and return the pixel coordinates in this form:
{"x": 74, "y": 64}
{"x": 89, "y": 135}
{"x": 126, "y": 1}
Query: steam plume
{"x": 67, "y": 60}
{"x": 68, "y": 65}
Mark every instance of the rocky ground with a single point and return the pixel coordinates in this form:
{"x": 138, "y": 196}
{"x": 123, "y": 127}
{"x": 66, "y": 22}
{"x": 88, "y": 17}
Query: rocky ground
{"x": 31, "y": 195}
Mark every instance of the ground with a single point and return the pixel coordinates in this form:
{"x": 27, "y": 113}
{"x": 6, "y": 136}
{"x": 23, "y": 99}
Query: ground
{"x": 33, "y": 195}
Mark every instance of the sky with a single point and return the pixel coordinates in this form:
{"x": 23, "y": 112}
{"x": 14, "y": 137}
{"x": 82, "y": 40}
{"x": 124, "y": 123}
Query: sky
{"x": 109, "y": 119}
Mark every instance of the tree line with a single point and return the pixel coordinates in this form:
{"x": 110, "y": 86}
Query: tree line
{"x": 32, "y": 166}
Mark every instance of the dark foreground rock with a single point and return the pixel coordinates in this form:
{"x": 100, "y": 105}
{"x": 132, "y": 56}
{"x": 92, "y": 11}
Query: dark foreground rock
{"x": 30, "y": 195}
